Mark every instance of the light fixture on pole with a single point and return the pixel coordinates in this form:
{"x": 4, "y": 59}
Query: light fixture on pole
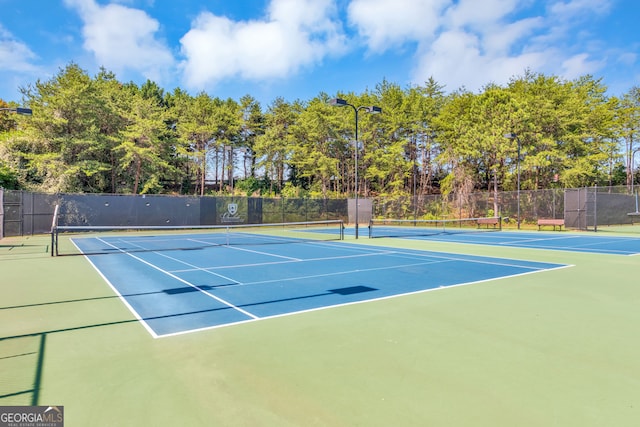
{"x": 515, "y": 136}
{"x": 338, "y": 102}
{"x": 18, "y": 110}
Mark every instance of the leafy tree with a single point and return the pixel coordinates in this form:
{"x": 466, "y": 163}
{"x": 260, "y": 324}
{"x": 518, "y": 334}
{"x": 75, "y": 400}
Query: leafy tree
{"x": 183, "y": 162}
{"x": 67, "y": 145}
{"x": 143, "y": 157}
{"x": 196, "y": 128}
{"x": 458, "y": 158}
{"x": 586, "y": 142}
{"x": 422, "y": 105}
{"x": 7, "y": 119}
{"x": 315, "y": 156}
{"x": 112, "y": 122}
{"x": 227, "y": 124}
{"x": 252, "y": 125}
{"x": 539, "y": 122}
{"x": 8, "y": 177}
{"x": 273, "y": 149}
{"x": 628, "y": 126}
{"x": 97, "y": 134}
{"x": 491, "y": 115}
{"x": 8, "y": 132}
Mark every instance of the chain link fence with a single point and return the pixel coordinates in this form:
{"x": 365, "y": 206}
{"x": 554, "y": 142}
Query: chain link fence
{"x": 584, "y": 208}
{"x": 533, "y": 205}
{"x": 26, "y": 213}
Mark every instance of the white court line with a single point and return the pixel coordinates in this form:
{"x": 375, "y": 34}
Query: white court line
{"x": 537, "y": 239}
{"x": 591, "y": 248}
{"x": 253, "y": 251}
{"x": 364, "y": 301}
{"x": 603, "y": 242}
{"x": 338, "y": 273}
{"x": 522, "y": 244}
{"x": 477, "y": 261}
{"x": 193, "y": 267}
{"x": 227, "y": 303}
{"x": 120, "y": 296}
{"x": 261, "y": 264}
{"x": 372, "y": 251}
{"x": 421, "y": 253}
{"x": 582, "y": 248}
{"x": 397, "y": 254}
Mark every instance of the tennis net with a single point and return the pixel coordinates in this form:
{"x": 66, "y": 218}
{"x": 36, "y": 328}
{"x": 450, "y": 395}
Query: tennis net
{"x": 414, "y": 228}
{"x": 93, "y": 240}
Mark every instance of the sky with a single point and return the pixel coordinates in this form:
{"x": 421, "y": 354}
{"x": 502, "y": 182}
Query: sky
{"x": 299, "y": 49}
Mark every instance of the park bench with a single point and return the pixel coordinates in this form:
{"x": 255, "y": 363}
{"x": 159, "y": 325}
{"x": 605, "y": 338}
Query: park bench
{"x": 551, "y": 222}
{"x": 488, "y": 221}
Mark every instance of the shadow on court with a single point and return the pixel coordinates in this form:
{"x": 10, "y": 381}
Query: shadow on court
{"x": 21, "y": 364}
{"x": 22, "y": 356}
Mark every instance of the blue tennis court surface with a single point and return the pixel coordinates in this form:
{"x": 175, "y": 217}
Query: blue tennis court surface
{"x": 591, "y": 243}
{"x": 184, "y": 290}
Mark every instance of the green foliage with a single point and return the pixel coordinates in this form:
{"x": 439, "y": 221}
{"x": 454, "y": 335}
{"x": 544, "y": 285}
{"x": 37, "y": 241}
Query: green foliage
{"x": 8, "y": 177}
{"x": 97, "y": 134}
{"x": 290, "y": 191}
{"x": 252, "y": 186}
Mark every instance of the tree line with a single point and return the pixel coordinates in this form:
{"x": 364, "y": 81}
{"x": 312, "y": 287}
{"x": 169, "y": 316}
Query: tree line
{"x": 99, "y": 135}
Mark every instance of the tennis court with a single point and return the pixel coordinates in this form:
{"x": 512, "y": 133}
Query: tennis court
{"x": 188, "y": 282}
{"x": 352, "y": 334}
{"x": 456, "y": 231}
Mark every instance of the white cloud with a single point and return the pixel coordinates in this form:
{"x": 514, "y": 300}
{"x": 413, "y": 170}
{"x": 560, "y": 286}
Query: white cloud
{"x": 470, "y": 43}
{"x": 460, "y": 43}
{"x": 572, "y": 9}
{"x": 505, "y": 35}
{"x": 294, "y": 34}
{"x": 627, "y": 58}
{"x": 14, "y": 55}
{"x": 579, "y": 65}
{"x": 456, "y": 59}
{"x": 470, "y": 13}
{"x": 479, "y": 45}
{"x": 388, "y": 23}
{"x": 122, "y": 38}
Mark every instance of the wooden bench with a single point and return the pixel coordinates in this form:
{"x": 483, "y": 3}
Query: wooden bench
{"x": 552, "y": 222}
{"x": 488, "y": 222}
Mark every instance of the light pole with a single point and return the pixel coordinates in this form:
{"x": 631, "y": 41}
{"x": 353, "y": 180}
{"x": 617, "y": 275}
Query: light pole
{"x": 515, "y": 136}
{"x": 415, "y": 196}
{"x": 369, "y": 109}
{"x": 633, "y": 156}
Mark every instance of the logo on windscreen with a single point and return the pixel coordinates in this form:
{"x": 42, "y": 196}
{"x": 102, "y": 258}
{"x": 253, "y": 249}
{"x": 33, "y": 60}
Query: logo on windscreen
{"x": 231, "y": 215}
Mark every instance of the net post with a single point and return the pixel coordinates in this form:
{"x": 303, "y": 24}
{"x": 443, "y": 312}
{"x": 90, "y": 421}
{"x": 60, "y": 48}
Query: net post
{"x": 57, "y": 239}
{"x": 54, "y": 230}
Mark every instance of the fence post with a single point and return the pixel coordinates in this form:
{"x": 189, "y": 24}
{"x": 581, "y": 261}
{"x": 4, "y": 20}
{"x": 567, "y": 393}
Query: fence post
{"x": 1, "y": 212}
